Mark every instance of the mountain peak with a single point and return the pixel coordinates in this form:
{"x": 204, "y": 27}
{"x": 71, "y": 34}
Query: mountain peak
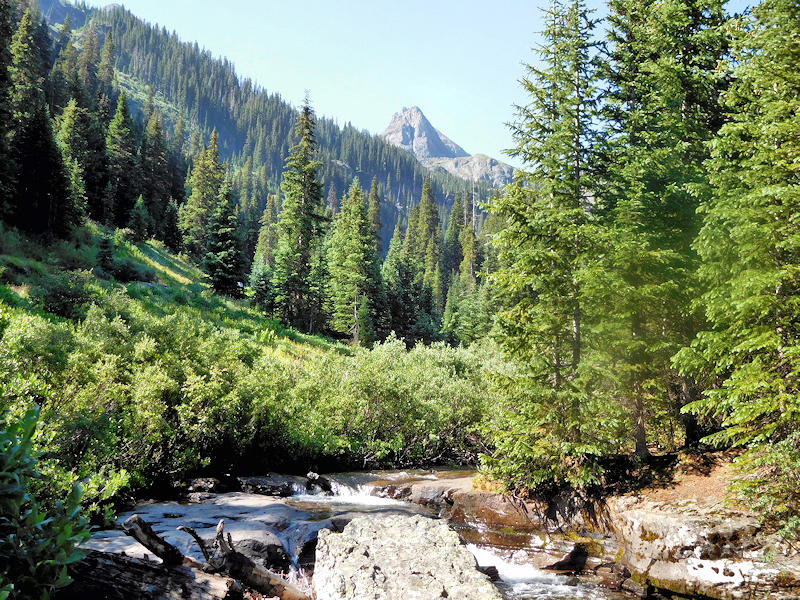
{"x": 411, "y": 130}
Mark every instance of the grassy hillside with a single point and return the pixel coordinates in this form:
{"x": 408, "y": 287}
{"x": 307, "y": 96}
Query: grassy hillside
{"x": 145, "y": 377}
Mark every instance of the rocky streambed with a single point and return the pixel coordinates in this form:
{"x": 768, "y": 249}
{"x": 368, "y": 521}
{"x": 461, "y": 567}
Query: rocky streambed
{"x": 368, "y": 535}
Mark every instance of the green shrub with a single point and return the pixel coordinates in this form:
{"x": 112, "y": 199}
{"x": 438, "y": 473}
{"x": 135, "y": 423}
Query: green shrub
{"x": 35, "y": 547}
{"x": 65, "y": 293}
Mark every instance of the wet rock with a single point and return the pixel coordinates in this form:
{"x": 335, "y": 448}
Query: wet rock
{"x": 397, "y": 558}
{"x": 213, "y": 485}
{"x": 266, "y": 552}
{"x": 274, "y": 485}
{"x": 318, "y": 483}
{"x": 573, "y": 562}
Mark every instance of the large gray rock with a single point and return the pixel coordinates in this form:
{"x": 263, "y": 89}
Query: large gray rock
{"x": 691, "y": 548}
{"x": 397, "y": 558}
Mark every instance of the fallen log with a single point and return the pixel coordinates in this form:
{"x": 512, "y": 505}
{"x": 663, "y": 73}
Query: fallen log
{"x": 225, "y": 559}
{"x": 242, "y": 568}
{"x": 120, "y": 577}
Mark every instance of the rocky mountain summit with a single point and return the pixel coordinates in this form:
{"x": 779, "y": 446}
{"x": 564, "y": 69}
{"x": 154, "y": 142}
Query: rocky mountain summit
{"x": 411, "y": 130}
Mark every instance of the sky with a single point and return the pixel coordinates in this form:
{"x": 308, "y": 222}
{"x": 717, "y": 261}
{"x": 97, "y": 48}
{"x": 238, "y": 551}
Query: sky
{"x": 364, "y": 60}
{"x": 460, "y": 61}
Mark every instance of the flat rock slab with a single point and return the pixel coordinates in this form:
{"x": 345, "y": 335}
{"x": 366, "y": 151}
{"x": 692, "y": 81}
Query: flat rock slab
{"x": 397, "y": 558}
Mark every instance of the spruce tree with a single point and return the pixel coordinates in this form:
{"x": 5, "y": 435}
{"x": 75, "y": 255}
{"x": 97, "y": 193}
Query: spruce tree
{"x": 750, "y": 264}
{"x": 6, "y": 162}
{"x": 139, "y": 221}
{"x": 123, "y": 163}
{"x": 223, "y": 259}
{"x": 156, "y": 185}
{"x": 453, "y": 254}
{"x": 554, "y": 428}
{"x": 298, "y": 227}
{"x": 42, "y": 202}
{"x": 171, "y": 229}
{"x": 205, "y": 182}
{"x": 105, "y": 70}
{"x": 662, "y": 103}
{"x": 397, "y": 277}
{"x": 374, "y": 202}
{"x": 354, "y": 270}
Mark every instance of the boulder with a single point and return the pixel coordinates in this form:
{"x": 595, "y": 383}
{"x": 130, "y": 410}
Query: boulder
{"x": 397, "y": 557}
{"x": 695, "y": 549}
{"x": 274, "y": 485}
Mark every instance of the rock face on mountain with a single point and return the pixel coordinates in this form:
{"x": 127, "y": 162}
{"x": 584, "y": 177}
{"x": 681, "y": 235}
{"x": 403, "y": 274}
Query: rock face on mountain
{"x": 411, "y": 130}
{"x": 397, "y": 558}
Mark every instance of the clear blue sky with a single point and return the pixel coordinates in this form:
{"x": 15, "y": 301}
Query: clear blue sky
{"x": 363, "y": 60}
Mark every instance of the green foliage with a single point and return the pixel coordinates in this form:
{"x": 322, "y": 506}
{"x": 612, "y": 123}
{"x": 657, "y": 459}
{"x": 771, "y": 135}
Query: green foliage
{"x": 553, "y": 430}
{"x": 139, "y": 220}
{"x": 223, "y": 259}
{"x": 298, "y": 229}
{"x": 65, "y": 294}
{"x": 36, "y": 544}
{"x": 354, "y": 283}
{"x": 748, "y": 355}
{"x": 123, "y": 164}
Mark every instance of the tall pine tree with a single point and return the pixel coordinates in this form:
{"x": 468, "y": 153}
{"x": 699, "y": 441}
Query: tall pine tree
{"x": 298, "y": 227}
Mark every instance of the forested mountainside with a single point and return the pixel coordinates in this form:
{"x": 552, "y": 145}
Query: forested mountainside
{"x": 255, "y": 126}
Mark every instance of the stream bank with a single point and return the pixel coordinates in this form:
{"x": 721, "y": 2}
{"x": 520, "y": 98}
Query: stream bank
{"x": 653, "y": 549}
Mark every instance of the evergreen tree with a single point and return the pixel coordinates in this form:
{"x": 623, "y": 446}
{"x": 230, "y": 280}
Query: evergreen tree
{"x": 554, "y": 428}
{"x": 6, "y": 161}
{"x": 139, "y": 221}
{"x": 298, "y": 227}
{"x": 453, "y": 254}
{"x": 267, "y": 235}
{"x": 374, "y": 201}
{"x": 750, "y": 263}
{"x": 89, "y": 58}
{"x": 223, "y": 258}
{"x": 354, "y": 271}
{"x": 332, "y": 201}
{"x": 156, "y": 185}
{"x": 123, "y": 163}
{"x": 662, "y": 104}
{"x": 397, "y": 277}
{"x": 105, "y": 70}
{"x": 172, "y": 232}
{"x": 205, "y": 182}
{"x": 42, "y": 202}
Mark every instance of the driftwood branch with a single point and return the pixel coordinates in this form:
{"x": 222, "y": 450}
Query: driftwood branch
{"x": 224, "y": 560}
{"x": 200, "y": 541}
{"x": 140, "y": 530}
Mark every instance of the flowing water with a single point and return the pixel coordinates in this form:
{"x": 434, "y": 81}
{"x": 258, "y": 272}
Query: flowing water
{"x": 296, "y": 520}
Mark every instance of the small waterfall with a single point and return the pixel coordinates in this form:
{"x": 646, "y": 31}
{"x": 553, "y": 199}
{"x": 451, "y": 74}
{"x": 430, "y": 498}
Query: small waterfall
{"x": 526, "y": 582}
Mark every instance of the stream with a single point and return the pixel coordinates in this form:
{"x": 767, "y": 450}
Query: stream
{"x": 292, "y": 523}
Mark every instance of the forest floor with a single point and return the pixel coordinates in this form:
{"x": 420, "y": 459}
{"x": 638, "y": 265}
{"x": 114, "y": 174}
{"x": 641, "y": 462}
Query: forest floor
{"x": 701, "y": 477}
